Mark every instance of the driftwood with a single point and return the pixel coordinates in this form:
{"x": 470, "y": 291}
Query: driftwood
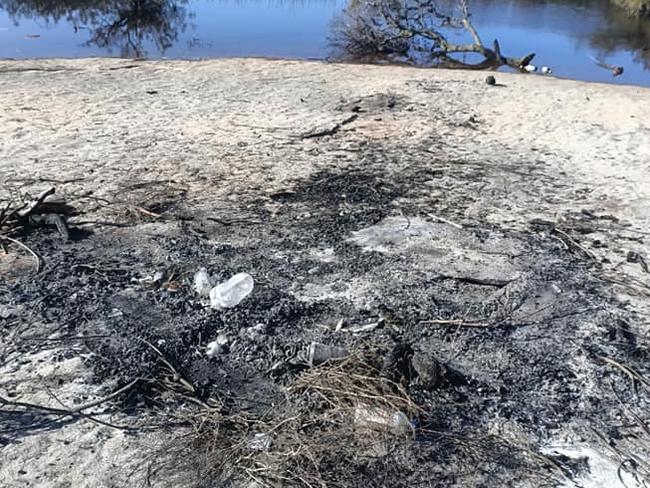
{"x": 413, "y": 31}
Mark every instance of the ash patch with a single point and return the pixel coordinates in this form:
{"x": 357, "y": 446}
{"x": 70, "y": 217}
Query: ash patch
{"x": 513, "y": 313}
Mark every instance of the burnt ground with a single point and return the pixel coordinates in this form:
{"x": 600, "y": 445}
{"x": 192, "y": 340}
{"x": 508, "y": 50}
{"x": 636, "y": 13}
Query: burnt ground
{"x": 355, "y": 245}
{"x": 529, "y": 344}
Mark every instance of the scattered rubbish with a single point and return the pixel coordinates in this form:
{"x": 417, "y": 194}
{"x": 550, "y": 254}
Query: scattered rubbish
{"x": 213, "y": 349}
{"x": 260, "y": 442}
{"x": 154, "y": 281}
{"x": 218, "y": 346}
{"x": 339, "y": 325}
{"x": 115, "y": 313}
{"x": 202, "y": 283}
{"x": 230, "y": 293}
{"x": 530, "y": 68}
{"x": 381, "y": 419}
{"x": 546, "y": 70}
{"x": 171, "y": 286}
{"x": 320, "y": 353}
{"x": 490, "y": 80}
{"x": 365, "y": 327}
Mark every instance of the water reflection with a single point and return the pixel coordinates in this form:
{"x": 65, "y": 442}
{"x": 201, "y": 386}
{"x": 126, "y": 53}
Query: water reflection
{"x": 623, "y": 32}
{"x": 123, "y": 25}
{"x": 599, "y": 24}
{"x": 556, "y": 29}
{"x": 562, "y": 32}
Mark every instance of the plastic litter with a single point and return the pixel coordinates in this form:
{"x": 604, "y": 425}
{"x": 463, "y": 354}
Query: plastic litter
{"x": 319, "y": 353}
{"x": 260, "y": 442}
{"x": 218, "y": 346}
{"x": 213, "y": 349}
{"x": 230, "y": 293}
{"x": 202, "y": 282}
{"x": 381, "y": 419}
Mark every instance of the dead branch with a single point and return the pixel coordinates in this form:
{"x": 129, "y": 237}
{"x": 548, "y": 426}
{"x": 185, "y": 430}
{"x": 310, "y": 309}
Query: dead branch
{"x": 331, "y": 131}
{"x": 32, "y": 206}
{"x": 77, "y": 411}
{"x": 177, "y": 376}
{"x": 415, "y": 31}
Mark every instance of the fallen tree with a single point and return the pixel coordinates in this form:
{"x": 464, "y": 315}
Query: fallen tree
{"x": 416, "y": 32}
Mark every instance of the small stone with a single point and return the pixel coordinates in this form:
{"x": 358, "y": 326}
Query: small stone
{"x": 429, "y": 371}
{"x": 490, "y": 80}
{"x": 397, "y": 363}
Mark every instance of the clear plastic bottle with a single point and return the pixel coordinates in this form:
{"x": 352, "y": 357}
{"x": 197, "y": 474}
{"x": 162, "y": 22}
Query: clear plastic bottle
{"x": 230, "y": 293}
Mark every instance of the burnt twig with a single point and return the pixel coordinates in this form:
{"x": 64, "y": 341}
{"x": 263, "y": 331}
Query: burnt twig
{"x": 331, "y": 131}
{"x": 39, "y": 260}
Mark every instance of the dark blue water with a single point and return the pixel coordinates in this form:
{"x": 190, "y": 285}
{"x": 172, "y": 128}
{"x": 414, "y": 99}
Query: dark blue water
{"x": 563, "y": 34}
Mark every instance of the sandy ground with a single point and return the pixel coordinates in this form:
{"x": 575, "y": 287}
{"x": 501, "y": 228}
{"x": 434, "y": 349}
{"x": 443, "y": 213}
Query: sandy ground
{"x": 227, "y": 131}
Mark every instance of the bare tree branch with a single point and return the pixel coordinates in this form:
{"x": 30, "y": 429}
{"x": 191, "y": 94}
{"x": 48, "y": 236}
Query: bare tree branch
{"x": 416, "y": 32}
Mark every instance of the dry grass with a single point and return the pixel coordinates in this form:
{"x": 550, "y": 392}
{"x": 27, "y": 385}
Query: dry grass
{"x": 338, "y": 411}
{"x": 632, "y": 449}
{"x": 341, "y": 424}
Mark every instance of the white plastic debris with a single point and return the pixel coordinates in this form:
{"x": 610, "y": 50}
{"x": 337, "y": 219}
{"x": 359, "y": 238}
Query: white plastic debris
{"x": 202, "y": 283}
{"x": 381, "y": 419}
{"x": 355, "y": 329}
{"x": 218, "y": 346}
{"x": 213, "y": 349}
{"x": 230, "y": 293}
{"x": 260, "y": 442}
{"x": 222, "y": 339}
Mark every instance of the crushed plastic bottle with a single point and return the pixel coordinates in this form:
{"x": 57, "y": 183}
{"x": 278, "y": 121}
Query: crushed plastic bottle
{"x": 202, "y": 282}
{"x": 260, "y": 442}
{"x": 230, "y": 293}
{"x": 382, "y": 419}
{"x": 320, "y": 353}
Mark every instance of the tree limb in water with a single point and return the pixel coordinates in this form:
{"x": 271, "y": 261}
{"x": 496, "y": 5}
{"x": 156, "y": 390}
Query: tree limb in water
{"x": 416, "y": 32}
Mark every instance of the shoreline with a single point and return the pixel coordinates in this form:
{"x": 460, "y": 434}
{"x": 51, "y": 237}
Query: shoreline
{"x": 324, "y": 61}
